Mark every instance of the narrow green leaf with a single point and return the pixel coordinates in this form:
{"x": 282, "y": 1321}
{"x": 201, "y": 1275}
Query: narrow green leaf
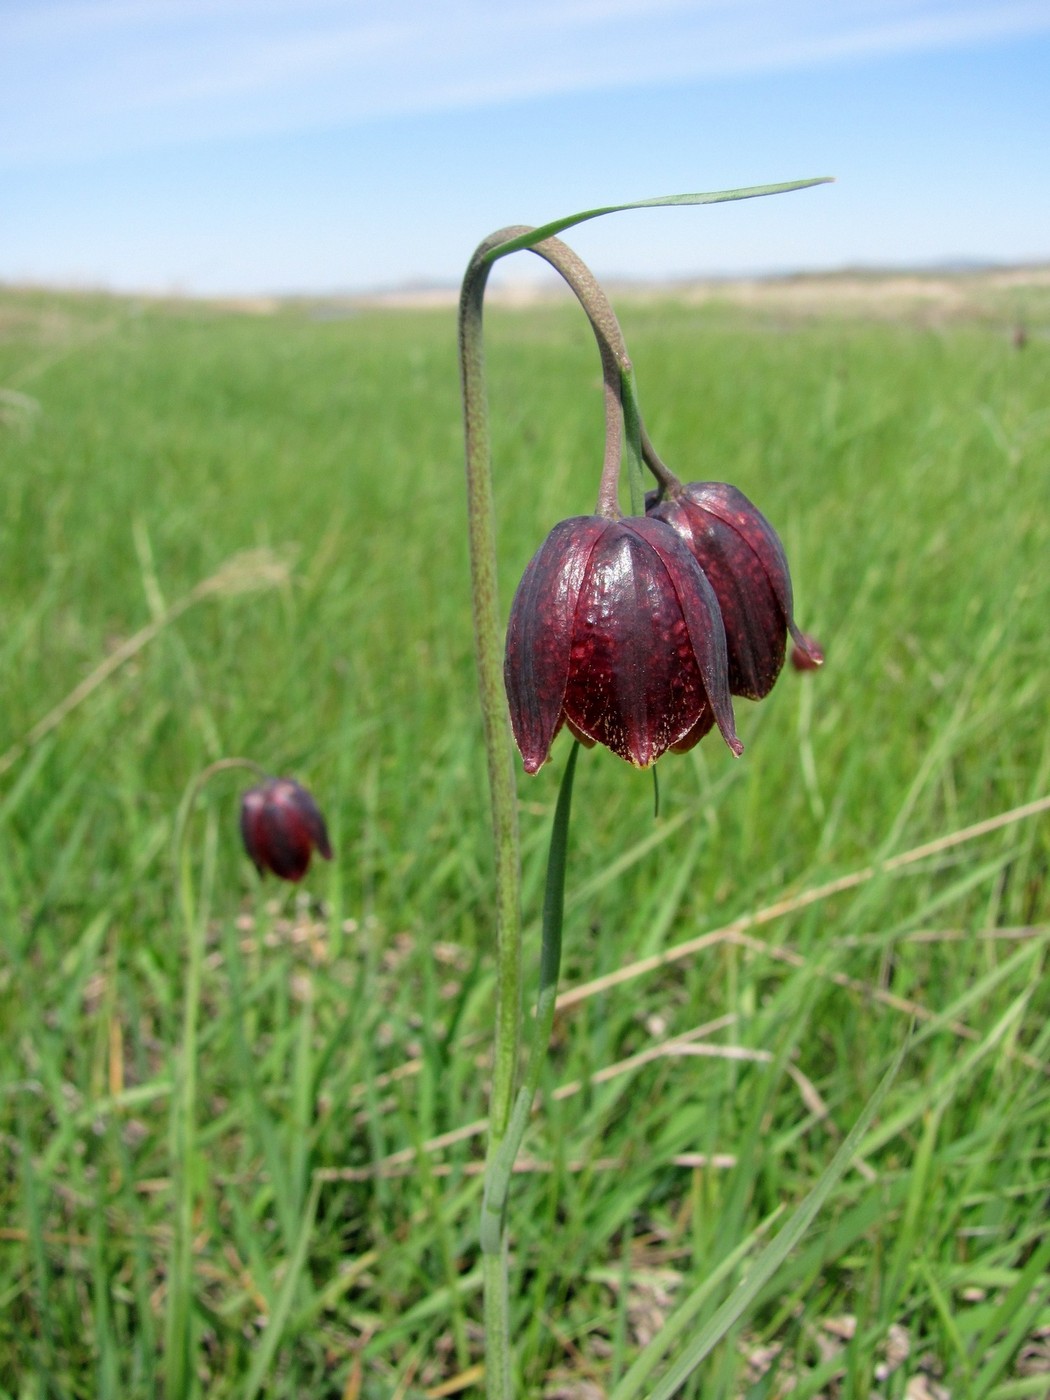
{"x": 1012, "y": 1320}
{"x": 278, "y": 1320}
{"x": 651, "y": 1355}
{"x": 734, "y": 1308}
{"x": 940, "y": 1093}
{"x": 529, "y": 240}
{"x": 501, "y": 1166}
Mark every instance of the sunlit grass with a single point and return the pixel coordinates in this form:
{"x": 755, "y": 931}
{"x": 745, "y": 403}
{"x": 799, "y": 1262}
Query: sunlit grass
{"x": 343, "y": 1029}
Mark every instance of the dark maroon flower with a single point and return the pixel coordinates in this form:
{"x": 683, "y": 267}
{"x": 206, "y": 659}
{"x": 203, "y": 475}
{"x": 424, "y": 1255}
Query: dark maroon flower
{"x": 743, "y": 558}
{"x": 615, "y": 631}
{"x": 808, "y": 657}
{"x": 281, "y": 826}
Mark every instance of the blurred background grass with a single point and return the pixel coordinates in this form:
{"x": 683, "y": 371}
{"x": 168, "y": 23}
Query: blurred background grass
{"x": 903, "y": 461}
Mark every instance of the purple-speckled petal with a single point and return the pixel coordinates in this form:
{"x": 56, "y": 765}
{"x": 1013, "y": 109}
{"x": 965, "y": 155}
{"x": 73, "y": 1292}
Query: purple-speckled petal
{"x": 703, "y": 621}
{"x": 743, "y": 559}
{"x": 539, "y": 634}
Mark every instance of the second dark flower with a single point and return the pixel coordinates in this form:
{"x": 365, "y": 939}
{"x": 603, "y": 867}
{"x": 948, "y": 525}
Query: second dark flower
{"x": 743, "y": 558}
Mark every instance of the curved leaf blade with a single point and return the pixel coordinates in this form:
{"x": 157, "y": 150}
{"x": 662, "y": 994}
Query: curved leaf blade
{"x": 537, "y": 235}
{"x": 774, "y": 1254}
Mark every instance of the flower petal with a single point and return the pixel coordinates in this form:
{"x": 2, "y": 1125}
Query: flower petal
{"x": 539, "y": 634}
{"x": 807, "y": 654}
{"x": 743, "y": 558}
{"x": 703, "y": 620}
{"x": 253, "y": 832}
{"x": 634, "y": 681}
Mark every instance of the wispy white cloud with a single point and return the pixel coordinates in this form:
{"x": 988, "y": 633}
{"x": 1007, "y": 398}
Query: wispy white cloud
{"x": 82, "y": 79}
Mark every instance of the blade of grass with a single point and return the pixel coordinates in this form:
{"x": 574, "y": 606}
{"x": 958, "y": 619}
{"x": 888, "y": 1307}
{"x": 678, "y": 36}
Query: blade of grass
{"x": 650, "y": 1357}
{"x": 278, "y": 1319}
{"x": 764, "y": 1268}
{"x": 1011, "y": 1320}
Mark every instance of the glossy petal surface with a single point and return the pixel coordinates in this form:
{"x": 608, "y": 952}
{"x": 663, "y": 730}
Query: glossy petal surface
{"x": 743, "y": 558}
{"x": 539, "y": 635}
{"x": 703, "y": 618}
{"x": 615, "y": 631}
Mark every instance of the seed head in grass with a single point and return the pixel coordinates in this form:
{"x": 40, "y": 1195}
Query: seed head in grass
{"x": 282, "y": 826}
{"x": 743, "y": 559}
{"x": 615, "y": 631}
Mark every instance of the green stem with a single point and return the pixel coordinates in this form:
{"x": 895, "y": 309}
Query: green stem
{"x": 178, "y": 1343}
{"x": 619, "y": 388}
{"x": 488, "y": 637}
{"x": 623, "y": 414}
{"x": 634, "y": 431}
{"x": 494, "y": 1281}
{"x": 501, "y": 1167}
{"x": 669, "y": 483}
{"x": 488, "y": 645}
{"x": 488, "y": 642}
{"x": 178, "y": 1358}
{"x": 616, "y": 363}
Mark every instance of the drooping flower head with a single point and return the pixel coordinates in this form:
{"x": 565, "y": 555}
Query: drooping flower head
{"x": 281, "y": 826}
{"x": 742, "y": 556}
{"x": 615, "y": 631}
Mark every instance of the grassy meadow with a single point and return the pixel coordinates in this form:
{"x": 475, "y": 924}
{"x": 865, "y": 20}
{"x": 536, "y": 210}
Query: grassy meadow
{"x": 246, "y": 531}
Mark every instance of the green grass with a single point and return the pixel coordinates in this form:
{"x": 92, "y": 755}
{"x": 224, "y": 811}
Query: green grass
{"x": 143, "y": 447}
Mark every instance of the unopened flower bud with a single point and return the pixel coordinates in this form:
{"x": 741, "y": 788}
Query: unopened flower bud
{"x": 281, "y": 826}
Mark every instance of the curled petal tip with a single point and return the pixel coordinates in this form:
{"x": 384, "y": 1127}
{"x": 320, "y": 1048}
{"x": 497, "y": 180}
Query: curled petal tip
{"x": 807, "y": 654}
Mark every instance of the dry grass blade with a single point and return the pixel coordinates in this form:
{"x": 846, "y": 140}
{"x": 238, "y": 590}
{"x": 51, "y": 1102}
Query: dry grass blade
{"x": 791, "y": 904}
{"x": 524, "y": 1166}
{"x": 243, "y": 572}
{"x": 905, "y": 1005}
{"x": 680, "y": 1046}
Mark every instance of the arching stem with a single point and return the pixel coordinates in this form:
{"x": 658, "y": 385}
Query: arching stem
{"x": 621, "y": 404}
{"x": 488, "y": 641}
{"x": 669, "y": 483}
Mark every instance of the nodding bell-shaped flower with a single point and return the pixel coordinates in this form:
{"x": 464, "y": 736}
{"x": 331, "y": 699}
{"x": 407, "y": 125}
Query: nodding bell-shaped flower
{"x": 743, "y": 558}
{"x": 281, "y": 826}
{"x": 615, "y": 631}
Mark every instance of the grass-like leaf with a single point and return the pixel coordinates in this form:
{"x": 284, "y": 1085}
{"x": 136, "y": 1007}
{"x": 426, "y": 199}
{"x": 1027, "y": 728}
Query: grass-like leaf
{"x": 765, "y": 1266}
{"x": 556, "y": 226}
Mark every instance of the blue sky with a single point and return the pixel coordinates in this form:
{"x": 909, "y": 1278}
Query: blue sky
{"x": 240, "y": 146}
